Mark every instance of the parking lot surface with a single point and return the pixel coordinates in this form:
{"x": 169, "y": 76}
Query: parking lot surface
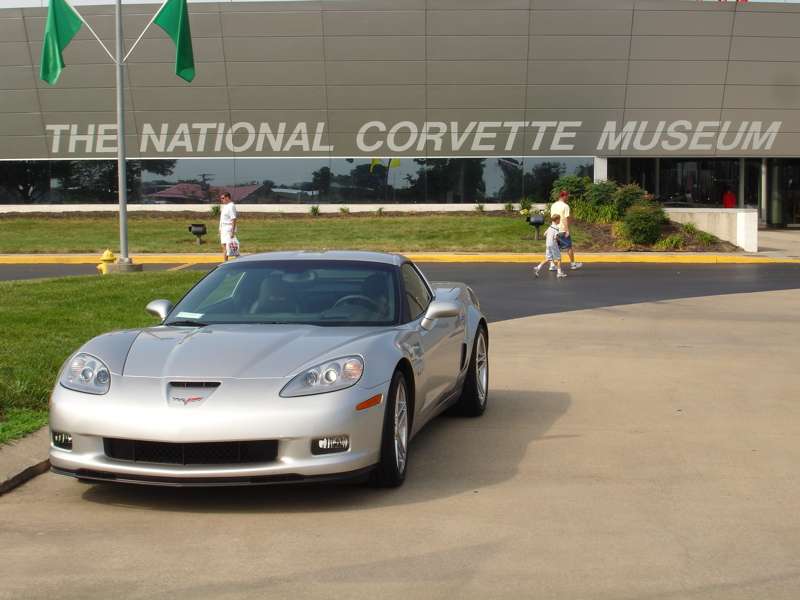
{"x": 644, "y": 448}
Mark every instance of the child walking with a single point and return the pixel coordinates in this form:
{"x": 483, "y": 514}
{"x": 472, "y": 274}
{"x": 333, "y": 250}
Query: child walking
{"x": 552, "y": 252}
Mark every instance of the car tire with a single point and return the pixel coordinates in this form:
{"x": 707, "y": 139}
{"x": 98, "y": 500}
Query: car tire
{"x": 391, "y": 470}
{"x": 475, "y": 393}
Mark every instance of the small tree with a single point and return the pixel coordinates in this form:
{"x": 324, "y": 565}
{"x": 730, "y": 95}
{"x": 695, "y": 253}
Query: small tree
{"x": 574, "y": 184}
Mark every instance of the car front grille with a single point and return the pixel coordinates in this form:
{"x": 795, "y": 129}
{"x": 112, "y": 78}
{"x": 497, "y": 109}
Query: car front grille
{"x": 202, "y": 453}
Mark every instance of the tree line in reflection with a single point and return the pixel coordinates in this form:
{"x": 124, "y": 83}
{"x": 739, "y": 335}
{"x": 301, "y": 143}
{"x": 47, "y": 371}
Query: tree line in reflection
{"x": 434, "y": 180}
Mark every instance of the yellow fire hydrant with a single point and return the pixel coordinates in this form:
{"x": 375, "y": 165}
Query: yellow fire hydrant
{"x": 106, "y": 259}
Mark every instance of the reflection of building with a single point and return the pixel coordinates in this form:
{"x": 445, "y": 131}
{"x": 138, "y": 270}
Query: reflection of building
{"x": 517, "y": 91}
{"x": 194, "y": 193}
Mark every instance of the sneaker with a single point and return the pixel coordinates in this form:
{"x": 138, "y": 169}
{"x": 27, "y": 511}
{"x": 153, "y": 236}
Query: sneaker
{"x": 561, "y": 275}
{"x": 576, "y": 265}
{"x": 552, "y": 268}
{"x": 536, "y": 271}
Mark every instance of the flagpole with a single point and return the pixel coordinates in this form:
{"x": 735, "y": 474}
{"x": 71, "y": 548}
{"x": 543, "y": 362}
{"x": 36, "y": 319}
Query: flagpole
{"x": 124, "y": 260}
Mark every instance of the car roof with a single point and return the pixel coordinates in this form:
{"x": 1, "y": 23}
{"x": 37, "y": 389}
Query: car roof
{"x": 324, "y": 255}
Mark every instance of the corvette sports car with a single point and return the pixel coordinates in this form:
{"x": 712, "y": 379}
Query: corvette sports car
{"x": 274, "y": 368}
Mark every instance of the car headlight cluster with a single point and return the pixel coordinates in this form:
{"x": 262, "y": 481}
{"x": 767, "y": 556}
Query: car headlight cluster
{"x": 85, "y": 373}
{"x": 327, "y": 377}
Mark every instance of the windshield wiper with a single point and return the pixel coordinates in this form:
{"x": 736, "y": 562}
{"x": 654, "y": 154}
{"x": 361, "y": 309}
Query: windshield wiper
{"x": 186, "y": 323}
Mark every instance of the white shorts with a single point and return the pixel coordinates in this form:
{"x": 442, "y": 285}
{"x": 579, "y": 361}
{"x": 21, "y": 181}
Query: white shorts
{"x": 552, "y": 253}
{"x": 225, "y": 236}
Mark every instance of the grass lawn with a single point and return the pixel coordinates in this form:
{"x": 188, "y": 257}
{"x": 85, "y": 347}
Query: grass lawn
{"x": 157, "y": 233}
{"x": 42, "y": 322}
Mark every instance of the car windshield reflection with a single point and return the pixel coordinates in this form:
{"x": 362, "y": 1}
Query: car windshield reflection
{"x": 323, "y": 293}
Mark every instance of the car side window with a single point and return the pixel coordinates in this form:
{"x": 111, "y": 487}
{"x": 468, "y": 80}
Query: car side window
{"x": 417, "y": 295}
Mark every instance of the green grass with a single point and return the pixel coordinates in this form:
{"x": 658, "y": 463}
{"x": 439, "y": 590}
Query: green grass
{"x": 42, "y": 322}
{"x": 465, "y": 233}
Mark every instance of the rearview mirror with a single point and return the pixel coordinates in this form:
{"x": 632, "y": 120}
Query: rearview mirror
{"x": 439, "y": 310}
{"x": 159, "y": 308}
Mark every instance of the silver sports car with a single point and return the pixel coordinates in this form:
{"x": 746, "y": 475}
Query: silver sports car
{"x": 274, "y": 368}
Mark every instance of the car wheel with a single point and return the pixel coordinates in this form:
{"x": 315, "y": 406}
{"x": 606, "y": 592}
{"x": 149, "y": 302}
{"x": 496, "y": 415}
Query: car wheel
{"x": 391, "y": 470}
{"x": 475, "y": 392}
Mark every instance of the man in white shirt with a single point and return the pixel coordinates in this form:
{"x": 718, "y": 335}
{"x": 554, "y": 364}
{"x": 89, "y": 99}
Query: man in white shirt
{"x": 561, "y": 208}
{"x": 227, "y": 223}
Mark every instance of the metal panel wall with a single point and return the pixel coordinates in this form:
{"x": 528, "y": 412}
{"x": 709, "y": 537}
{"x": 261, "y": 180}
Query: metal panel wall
{"x": 344, "y": 63}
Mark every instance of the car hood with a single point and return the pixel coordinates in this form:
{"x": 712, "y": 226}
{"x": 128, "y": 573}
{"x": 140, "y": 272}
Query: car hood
{"x": 238, "y": 351}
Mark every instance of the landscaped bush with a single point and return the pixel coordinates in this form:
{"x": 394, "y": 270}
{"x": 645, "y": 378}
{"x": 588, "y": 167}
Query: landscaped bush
{"x": 600, "y": 193}
{"x": 626, "y": 196}
{"x": 574, "y": 184}
{"x": 642, "y": 223}
{"x": 593, "y": 213}
{"x": 597, "y": 203}
{"x": 669, "y": 243}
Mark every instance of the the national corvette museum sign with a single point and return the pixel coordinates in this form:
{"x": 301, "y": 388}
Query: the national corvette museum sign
{"x": 377, "y": 138}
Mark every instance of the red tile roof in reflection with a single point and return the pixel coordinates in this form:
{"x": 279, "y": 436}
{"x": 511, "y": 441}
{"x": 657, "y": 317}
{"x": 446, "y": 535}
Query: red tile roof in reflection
{"x": 193, "y": 192}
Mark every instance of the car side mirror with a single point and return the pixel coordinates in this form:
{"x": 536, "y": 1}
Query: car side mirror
{"x": 439, "y": 309}
{"x": 159, "y": 308}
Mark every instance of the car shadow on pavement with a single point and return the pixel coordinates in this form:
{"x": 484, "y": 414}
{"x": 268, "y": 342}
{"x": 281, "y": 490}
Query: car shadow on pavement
{"x": 451, "y": 456}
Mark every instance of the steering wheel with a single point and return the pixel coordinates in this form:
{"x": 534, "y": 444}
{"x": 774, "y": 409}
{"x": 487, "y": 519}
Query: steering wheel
{"x": 358, "y": 299}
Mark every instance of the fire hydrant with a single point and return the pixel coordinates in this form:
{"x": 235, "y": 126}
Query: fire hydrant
{"x": 106, "y": 259}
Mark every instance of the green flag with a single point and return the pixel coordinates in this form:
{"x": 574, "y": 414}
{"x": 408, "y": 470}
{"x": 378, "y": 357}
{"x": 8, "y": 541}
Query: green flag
{"x": 61, "y": 26}
{"x": 173, "y": 18}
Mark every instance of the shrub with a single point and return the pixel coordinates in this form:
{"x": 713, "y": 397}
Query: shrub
{"x": 379, "y": 212}
{"x": 689, "y": 229}
{"x": 345, "y": 210}
{"x": 215, "y": 210}
{"x": 671, "y": 242}
{"x": 314, "y": 211}
{"x": 626, "y": 196}
{"x": 643, "y": 221}
{"x": 705, "y": 239}
{"x": 509, "y": 207}
{"x": 480, "y": 208}
{"x": 525, "y": 204}
{"x": 574, "y": 184}
{"x": 593, "y": 213}
{"x": 601, "y": 193}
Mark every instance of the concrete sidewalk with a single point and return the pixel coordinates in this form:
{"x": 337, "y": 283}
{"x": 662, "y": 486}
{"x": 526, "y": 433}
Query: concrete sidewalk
{"x": 441, "y": 257}
{"x": 24, "y": 459}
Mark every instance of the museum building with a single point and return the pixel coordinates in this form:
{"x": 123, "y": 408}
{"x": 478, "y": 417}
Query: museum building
{"x": 412, "y": 101}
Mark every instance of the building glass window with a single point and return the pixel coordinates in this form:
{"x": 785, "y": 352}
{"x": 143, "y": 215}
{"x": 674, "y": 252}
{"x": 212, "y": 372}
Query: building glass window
{"x": 541, "y": 173}
{"x": 283, "y": 180}
{"x": 375, "y": 181}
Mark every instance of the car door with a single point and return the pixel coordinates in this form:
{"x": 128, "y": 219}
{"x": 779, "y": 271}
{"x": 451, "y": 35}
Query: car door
{"x": 438, "y": 357}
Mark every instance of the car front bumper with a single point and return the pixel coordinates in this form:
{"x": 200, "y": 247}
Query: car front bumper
{"x": 138, "y": 409}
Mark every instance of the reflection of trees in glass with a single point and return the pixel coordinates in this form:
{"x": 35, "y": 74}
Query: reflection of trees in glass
{"x": 321, "y": 180}
{"x": 96, "y": 180}
{"x": 28, "y": 181}
{"x": 76, "y": 181}
{"x": 511, "y": 190}
{"x": 539, "y": 180}
{"x": 457, "y": 180}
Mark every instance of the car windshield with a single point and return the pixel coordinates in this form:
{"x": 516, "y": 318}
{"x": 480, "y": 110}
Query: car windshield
{"x": 293, "y": 292}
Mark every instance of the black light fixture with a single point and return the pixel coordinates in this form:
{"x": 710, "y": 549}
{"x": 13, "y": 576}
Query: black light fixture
{"x": 198, "y": 230}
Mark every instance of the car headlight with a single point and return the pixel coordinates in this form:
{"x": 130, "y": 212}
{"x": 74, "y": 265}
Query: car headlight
{"x": 327, "y": 377}
{"x": 86, "y": 373}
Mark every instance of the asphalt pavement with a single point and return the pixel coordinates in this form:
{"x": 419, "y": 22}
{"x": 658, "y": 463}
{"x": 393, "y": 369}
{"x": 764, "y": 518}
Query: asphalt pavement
{"x": 509, "y": 291}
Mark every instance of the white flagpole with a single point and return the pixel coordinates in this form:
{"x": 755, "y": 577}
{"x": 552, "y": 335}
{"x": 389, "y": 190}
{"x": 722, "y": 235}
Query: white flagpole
{"x": 122, "y": 180}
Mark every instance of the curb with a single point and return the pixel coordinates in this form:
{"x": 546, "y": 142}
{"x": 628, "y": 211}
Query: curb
{"x": 437, "y": 257}
{"x": 21, "y": 460}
